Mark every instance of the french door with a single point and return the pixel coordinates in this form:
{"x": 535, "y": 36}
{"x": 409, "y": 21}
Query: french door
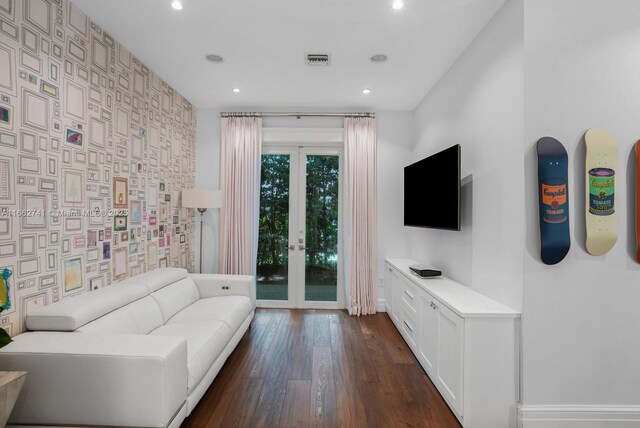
{"x": 300, "y": 242}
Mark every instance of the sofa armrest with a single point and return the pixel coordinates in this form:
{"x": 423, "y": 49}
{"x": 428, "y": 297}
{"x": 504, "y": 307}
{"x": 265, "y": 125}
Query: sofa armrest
{"x": 85, "y": 379}
{"x": 214, "y": 285}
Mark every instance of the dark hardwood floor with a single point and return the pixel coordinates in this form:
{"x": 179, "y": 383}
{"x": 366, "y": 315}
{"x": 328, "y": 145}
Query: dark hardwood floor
{"x": 305, "y": 368}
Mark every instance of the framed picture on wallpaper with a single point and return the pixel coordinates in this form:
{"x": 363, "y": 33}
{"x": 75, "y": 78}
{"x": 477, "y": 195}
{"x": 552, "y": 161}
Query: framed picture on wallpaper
{"x": 120, "y": 222}
{"x": 153, "y": 196}
{"x": 72, "y": 274}
{"x": 36, "y": 205}
{"x": 92, "y": 255}
{"x": 120, "y": 192}
{"x": 120, "y": 263}
{"x": 92, "y": 238}
{"x": 73, "y": 185}
{"x": 96, "y": 282}
{"x": 136, "y": 212}
{"x": 152, "y": 256}
{"x": 96, "y": 210}
{"x": 74, "y": 137}
{"x": 106, "y": 251}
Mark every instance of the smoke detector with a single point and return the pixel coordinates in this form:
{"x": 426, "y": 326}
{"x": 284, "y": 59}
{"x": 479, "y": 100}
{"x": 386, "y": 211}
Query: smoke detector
{"x": 318, "y": 60}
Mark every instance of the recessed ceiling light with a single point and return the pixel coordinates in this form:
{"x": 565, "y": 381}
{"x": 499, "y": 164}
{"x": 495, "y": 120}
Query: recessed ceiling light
{"x": 397, "y": 4}
{"x": 366, "y": 91}
{"x": 379, "y": 58}
{"x": 176, "y": 4}
{"x": 214, "y": 58}
{"x": 236, "y": 90}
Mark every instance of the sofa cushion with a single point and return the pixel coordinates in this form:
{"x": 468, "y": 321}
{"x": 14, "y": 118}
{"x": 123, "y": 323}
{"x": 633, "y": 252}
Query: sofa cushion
{"x": 176, "y": 296}
{"x": 232, "y": 310}
{"x": 156, "y": 279}
{"x": 74, "y": 312}
{"x": 205, "y": 342}
{"x": 139, "y": 317}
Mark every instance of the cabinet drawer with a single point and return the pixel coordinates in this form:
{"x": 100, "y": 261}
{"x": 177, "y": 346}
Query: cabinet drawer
{"x": 410, "y": 295}
{"x": 410, "y": 327}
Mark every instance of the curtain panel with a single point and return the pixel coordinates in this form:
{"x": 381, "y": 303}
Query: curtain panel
{"x": 361, "y": 265}
{"x": 240, "y": 161}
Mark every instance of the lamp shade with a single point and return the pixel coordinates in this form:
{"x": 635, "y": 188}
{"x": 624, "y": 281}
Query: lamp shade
{"x": 201, "y": 198}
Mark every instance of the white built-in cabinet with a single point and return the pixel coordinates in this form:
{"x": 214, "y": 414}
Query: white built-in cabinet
{"x": 466, "y": 342}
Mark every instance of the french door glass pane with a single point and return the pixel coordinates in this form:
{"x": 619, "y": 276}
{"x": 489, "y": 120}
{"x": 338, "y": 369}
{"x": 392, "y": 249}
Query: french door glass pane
{"x": 321, "y": 218}
{"x": 273, "y": 256}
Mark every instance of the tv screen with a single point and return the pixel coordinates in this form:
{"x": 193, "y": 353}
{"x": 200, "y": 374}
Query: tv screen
{"x": 432, "y": 191}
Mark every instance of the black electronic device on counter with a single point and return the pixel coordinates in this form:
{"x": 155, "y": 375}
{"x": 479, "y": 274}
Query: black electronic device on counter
{"x": 424, "y": 271}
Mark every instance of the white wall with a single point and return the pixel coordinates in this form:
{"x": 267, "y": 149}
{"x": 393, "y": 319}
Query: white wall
{"x": 479, "y": 104}
{"x": 394, "y": 146}
{"x": 581, "y": 318}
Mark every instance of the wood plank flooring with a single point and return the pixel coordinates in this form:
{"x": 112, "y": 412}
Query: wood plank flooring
{"x": 305, "y": 368}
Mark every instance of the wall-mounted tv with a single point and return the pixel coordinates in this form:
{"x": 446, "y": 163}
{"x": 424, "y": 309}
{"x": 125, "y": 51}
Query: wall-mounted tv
{"x": 432, "y": 191}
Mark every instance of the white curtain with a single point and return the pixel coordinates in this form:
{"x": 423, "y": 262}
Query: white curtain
{"x": 361, "y": 265}
{"x": 240, "y": 160}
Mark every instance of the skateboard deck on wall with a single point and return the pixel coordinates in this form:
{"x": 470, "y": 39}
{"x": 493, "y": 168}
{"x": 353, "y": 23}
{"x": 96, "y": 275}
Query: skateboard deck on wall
{"x": 637, "y": 152}
{"x": 553, "y": 200}
{"x": 601, "y": 169}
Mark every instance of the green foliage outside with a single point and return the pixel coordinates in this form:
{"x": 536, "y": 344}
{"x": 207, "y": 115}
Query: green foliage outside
{"x": 322, "y": 220}
{"x": 273, "y": 225}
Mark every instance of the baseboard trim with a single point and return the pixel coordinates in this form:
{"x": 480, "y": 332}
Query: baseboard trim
{"x": 381, "y": 307}
{"x": 543, "y": 416}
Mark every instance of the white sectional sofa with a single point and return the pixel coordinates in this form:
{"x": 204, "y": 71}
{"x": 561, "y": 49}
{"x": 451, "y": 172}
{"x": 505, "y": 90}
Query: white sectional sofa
{"x": 140, "y": 353}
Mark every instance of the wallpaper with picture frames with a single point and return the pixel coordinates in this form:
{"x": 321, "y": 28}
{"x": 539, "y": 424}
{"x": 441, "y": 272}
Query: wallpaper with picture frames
{"x": 94, "y": 149}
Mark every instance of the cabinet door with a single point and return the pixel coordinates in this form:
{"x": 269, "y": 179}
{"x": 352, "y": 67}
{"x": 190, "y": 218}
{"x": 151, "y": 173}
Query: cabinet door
{"x": 428, "y": 343}
{"x": 396, "y": 309}
{"x": 388, "y": 288}
{"x": 450, "y": 351}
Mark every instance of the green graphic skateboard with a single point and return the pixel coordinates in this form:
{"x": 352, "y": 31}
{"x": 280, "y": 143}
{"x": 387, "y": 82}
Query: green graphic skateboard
{"x": 600, "y": 168}
{"x": 553, "y": 197}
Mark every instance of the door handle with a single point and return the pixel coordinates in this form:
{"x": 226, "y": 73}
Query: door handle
{"x": 408, "y": 326}
{"x": 290, "y": 247}
{"x": 301, "y": 247}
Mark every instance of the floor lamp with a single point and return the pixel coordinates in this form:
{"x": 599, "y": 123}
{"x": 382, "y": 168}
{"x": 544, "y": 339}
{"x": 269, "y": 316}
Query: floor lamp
{"x": 201, "y": 199}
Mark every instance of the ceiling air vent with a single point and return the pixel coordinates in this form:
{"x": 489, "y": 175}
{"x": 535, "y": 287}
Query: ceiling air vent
{"x": 317, "y": 59}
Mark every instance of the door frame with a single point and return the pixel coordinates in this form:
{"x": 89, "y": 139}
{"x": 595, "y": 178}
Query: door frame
{"x": 297, "y": 142}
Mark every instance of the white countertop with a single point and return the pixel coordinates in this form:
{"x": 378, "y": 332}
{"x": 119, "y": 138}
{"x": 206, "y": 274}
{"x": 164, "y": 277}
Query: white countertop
{"x": 461, "y": 299}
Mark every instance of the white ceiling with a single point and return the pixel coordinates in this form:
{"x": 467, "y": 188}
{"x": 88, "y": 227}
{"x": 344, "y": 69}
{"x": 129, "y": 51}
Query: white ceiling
{"x": 263, "y": 43}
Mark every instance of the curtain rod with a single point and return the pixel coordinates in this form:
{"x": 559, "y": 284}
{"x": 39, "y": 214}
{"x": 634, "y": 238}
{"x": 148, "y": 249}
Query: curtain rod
{"x": 294, "y": 114}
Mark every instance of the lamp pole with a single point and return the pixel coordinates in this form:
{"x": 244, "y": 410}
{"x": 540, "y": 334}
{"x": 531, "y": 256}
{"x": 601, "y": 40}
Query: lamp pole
{"x": 201, "y": 200}
{"x": 201, "y": 211}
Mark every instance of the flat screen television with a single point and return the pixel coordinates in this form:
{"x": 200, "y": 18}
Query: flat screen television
{"x": 432, "y": 191}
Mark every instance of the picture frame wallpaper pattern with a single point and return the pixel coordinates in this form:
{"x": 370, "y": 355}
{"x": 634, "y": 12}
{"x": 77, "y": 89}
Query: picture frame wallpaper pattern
{"x": 92, "y": 146}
